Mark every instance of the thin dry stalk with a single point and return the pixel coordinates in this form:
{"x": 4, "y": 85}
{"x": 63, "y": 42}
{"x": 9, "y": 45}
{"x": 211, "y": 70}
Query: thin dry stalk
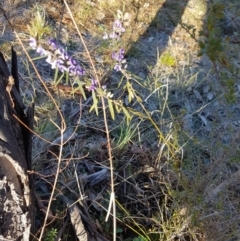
{"x": 112, "y": 198}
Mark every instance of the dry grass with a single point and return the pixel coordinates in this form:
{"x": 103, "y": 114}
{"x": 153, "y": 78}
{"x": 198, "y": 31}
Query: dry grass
{"x": 176, "y": 165}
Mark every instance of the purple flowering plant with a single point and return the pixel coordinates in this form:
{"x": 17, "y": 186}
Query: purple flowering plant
{"x": 115, "y": 35}
{"x": 117, "y": 32}
{"x": 60, "y": 60}
{"x": 118, "y": 28}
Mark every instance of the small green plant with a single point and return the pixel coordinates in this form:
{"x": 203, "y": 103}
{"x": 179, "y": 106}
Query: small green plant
{"x": 38, "y": 26}
{"x": 139, "y": 238}
{"x": 167, "y": 59}
{"x": 125, "y": 134}
{"x": 191, "y": 29}
{"x": 51, "y": 235}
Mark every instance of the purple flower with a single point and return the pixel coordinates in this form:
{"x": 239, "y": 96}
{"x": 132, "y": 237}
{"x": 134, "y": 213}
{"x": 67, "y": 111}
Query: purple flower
{"x": 54, "y": 63}
{"x": 93, "y": 85}
{"x": 52, "y": 43}
{"x": 62, "y": 68}
{"x": 33, "y": 43}
{"x": 64, "y": 54}
{"x": 118, "y": 66}
{"x": 41, "y": 51}
{"x": 58, "y": 57}
{"x": 114, "y": 35}
{"x": 64, "y": 62}
{"x": 72, "y": 62}
{"x": 118, "y": 29}
{"x": 119, "y": 57}
{"x": 80, "y": 71}
{"x": 76, "y": 70}
{"x": 117, "y": 26}
{"x": 72, "y": 70}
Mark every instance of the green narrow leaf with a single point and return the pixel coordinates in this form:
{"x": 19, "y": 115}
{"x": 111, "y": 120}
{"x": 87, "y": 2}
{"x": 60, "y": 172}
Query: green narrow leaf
{"x": 130, "y": 92}
{"x": 80, "y": 87}
{"x": 126, "y": 114}
{"x": 91, "y": 109}
{"x": 118, "y": 108}
{"x": 120, "y": 82}
{"x": 58, "y": 81}
{"x": 95, "y": 103}
{"x": 111, "y": 109}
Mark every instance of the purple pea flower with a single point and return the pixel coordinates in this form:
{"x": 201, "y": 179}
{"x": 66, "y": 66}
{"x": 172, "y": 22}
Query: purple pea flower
{"x": 93, "y": 85}
{"x": 53, "y": 44}
{"x": 117, "y": 26}
{"x": 54, "y": 63}
{"x": 118, "y": 29}
{"x": 64, "y": 54}
{"x": 79, "y": 70}
{"x": 49, "y": 58}
{"x": 58, "y": 57}
{"x": 72, "y": 70}
{"x": 119, "y": 56}
{"x": 62, "y": 67}
{"x": 76, "y": 70}
{"x": 118, "y": 67}
{"x": 72, "y": 62}
{"x": 41, "y": 51}
{"x": 114, "y": 35}
{"x": 33, "y": 43}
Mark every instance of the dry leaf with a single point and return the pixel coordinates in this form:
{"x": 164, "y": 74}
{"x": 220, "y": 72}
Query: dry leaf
{"x": 76, "y": 220}
{"x": 206, "y": 88}
{"x": 210, "y": 96}
{"x": 204, "y": 120}
{"x": 197, "y": 94}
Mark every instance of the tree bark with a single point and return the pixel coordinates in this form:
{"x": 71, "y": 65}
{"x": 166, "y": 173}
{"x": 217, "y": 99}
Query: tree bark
{"x": 16, "y": 206}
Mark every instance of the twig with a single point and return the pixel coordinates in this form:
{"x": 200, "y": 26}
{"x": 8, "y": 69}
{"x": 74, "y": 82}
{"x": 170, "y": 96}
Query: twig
{"x": 112, "y": 200}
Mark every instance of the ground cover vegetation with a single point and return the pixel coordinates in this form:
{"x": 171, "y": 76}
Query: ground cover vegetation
{"x": 137, "y": 116}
